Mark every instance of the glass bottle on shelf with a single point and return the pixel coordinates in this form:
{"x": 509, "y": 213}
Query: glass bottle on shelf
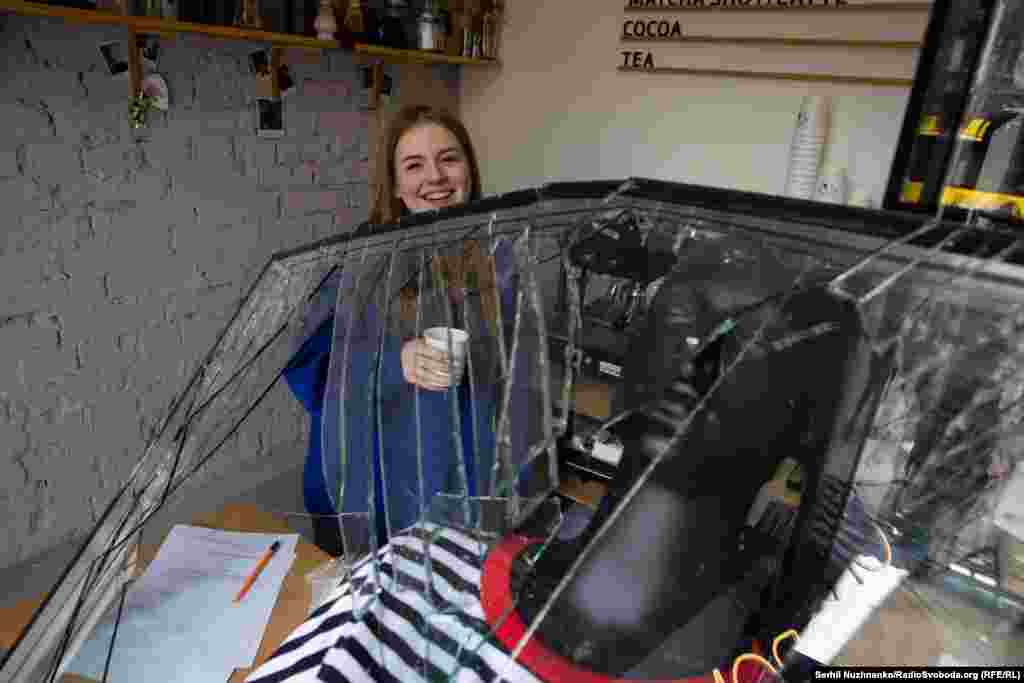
{"x": 189, "y": 10}
{"x": 148, "y": 8}
{"x": 479, "y": 14}
{"x": 457, "y": 28}
{"x": 499, "y": 21}
{"x": 489, "y": 31}
{"x": 410, "y": 23}
{"x": 326, "y": 23}
{"x": 443, "y": 26}
{"x": 209, "y": 12}
{"x": 472, "y": 27}
{"x": 354, "y": 21}
{"x": 393, "y": 26}
{"x": 346, "y": 39}
{"x": 248, "y": 14}
{"x": 429, "y": 27}
{"x": 288, "y": 15}
{"x": 112, "y": 6}
{"x": 310, "y": 9}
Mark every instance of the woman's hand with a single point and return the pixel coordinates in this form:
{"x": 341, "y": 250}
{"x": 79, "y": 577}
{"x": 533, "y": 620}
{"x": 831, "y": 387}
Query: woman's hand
{"x": 425, "y": 366}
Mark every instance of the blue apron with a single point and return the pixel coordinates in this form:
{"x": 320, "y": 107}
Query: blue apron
{"x": 375, "y": 389}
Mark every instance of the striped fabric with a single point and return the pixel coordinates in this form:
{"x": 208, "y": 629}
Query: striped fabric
{"x": 401, "y": 636}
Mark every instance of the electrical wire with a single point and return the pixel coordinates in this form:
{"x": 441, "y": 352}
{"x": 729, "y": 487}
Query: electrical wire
{"x": 750, "y": 656}
{"x": 754, "y": 657}
{"x": 791, "y": 633}
{"x": 885, "y": 541}
{"x": 887, "y": 562}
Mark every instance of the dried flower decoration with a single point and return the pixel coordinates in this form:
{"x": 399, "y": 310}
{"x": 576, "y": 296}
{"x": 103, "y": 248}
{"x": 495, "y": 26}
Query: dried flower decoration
{"x": 140, "y": 107}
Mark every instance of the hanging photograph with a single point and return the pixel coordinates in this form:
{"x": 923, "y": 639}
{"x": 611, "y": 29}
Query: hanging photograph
{"x": 115, "y": 58}
{"x": 259, "y": 63}
{"x": 270, "y": 118}
{"x": 150, "y": 49}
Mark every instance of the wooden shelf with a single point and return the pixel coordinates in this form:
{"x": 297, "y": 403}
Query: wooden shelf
{"x": 831, "y": 7}
{"x": 170, "y": 27}
{"x": 389, "y": 54}
{"x": 880, "y": 81}
{"x": 780, "y": 40}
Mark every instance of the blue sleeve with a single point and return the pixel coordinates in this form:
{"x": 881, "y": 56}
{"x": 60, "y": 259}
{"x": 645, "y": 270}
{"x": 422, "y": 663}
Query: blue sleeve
{"x": 306, "y": 372}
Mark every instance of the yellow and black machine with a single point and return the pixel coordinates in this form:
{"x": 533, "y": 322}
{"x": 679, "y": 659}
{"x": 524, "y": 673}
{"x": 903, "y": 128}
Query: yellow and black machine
{"x": 961, "y": 150}
{"x": 988, "y": 175}
{"x": 941, "y": 106}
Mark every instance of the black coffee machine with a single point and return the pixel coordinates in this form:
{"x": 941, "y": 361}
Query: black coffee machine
{"x": 618, "y": 263}
{"x": 681, "y": 582}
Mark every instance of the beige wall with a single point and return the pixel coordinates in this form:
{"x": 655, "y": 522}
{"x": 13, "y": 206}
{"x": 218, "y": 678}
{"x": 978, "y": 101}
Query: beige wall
{"x": 558, "y": 109}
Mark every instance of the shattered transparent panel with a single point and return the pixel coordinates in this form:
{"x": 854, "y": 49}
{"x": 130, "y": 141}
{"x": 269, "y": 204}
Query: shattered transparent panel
{"x": 803, "y": 410}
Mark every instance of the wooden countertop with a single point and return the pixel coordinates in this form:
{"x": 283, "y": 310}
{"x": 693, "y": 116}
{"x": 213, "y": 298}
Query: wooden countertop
{"x": 293, "y": 602}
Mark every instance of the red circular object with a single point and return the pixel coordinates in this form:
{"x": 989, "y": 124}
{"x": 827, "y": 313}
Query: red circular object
{"x": 496, "y": 599}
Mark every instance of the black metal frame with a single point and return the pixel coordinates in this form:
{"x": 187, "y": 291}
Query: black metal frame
{"x": 942, "y": 13}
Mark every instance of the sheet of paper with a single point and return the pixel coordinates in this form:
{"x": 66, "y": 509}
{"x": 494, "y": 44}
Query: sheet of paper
{"x": 179, "y": 621}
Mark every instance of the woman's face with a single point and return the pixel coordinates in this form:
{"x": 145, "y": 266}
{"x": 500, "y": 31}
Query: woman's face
{"x": 431, "y": 170}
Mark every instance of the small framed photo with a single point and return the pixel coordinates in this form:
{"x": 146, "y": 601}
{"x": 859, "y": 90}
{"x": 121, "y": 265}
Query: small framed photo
{"x": 259, "y": 62}
{"x": 269, "y": 118}
{"x": 115, "y": 58}
{"x": 150, "y": 48}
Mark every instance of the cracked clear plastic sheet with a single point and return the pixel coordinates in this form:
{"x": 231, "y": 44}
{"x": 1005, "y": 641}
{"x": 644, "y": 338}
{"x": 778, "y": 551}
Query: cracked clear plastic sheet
{"x": 905, "y": 486}
{"x": 917, "y": 481}
{"x": 934, "y": 461}
{"x": 944, "y": 312}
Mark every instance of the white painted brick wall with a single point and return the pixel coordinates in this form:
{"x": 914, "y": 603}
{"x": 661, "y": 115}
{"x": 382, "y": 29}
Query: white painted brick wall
{"x": 123, "y": 253}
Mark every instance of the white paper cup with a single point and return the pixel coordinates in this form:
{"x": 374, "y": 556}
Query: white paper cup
{"x": 440, "y": 337}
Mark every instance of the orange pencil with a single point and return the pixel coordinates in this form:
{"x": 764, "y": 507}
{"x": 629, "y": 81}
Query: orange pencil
{"x": 251, "y": 579}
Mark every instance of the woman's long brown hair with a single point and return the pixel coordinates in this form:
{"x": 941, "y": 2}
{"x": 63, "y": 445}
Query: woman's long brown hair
{"x": 454, "y": 269}
{"x": 465, "y": 267}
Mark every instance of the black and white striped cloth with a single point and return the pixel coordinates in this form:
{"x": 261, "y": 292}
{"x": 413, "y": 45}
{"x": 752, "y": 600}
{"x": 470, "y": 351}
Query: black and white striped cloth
{"x": 401, "y": 637}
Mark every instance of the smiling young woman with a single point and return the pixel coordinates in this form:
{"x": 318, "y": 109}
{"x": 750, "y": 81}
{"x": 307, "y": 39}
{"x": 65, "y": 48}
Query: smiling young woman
{"x": 431, "y": 164}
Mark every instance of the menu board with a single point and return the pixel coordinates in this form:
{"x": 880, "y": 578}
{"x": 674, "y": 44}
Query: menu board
{"x": 870, "y": 42}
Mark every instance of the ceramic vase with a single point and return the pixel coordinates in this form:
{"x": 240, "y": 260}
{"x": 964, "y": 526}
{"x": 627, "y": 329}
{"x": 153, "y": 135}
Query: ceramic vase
{"x": 249, "y": 14}
{"x": 326, "y": 24}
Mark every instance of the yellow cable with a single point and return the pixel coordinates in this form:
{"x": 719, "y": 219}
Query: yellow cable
{"x": 791, "y": 633}
{"x": 888, "y": 546}
{"x": 885, "y": 544}
{"x": 719, "y": 678}
{"x": 753, "y": 657}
